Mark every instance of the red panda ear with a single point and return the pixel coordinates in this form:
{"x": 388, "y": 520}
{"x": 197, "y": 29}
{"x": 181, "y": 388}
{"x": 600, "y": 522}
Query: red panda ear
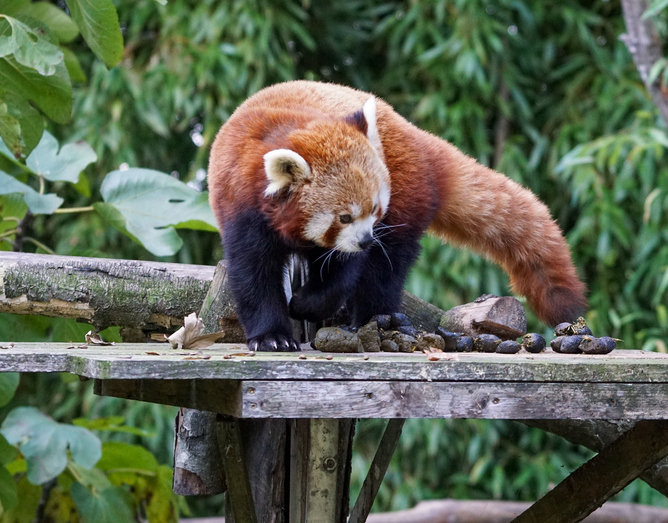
{"x": 284, "y": 168}
{"x": 365, "y": 121}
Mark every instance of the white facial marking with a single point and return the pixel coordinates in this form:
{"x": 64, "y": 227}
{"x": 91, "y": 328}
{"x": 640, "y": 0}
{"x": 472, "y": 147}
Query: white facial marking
{"x": 356, "y": 210}
{"x": 284, "y": 167}
{"x": 317, "y": 226}
{"x": 350, "y": 236}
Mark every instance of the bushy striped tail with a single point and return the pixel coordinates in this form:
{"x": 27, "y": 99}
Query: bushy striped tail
{"x": 487, "y": 212}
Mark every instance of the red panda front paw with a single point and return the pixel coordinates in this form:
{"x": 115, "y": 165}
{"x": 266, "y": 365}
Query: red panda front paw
{"x": 273, "y": 343}
{"x": 303, "y": 308}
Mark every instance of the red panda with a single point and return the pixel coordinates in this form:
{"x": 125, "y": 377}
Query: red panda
{"x": 338, "y": 177}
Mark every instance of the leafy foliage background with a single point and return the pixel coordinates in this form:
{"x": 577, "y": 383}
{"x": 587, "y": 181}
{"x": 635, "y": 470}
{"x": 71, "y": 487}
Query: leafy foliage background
{"x": 542, "y": 91}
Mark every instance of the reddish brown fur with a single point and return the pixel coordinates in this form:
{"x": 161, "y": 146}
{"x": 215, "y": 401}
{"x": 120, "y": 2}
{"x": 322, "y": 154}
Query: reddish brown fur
{"x": 433, "y": 185}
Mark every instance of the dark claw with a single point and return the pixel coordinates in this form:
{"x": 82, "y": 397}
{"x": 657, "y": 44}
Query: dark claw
{"x": 273, "y": 343}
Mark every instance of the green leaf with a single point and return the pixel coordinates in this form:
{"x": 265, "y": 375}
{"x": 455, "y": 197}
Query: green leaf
{"x": 73, "y": 65}
{"x": 8, "y": 383}
{"x": 28, "y": 46}
{"x": 29, "y": 496}
{"x": 151, "y": 203}
{"x": 98, "y": 22}
{"x": 61, "y": 25}
{"x": 117, "y": 455}
{"x": 110, "y": 424}
{"x": 63, "y": 166}
{"x": 13, "y": 7}
{"x": 52, "y": 94}
{"x": 44, "y": 443}
{"x": 655, "y": 9}
{"x": 160, "y": 506}
{"x": 10, "y": 130}
{"x": 8, "y": 490}
{"x": 111, "y": 505}
{"x": 37, "y": 203}
{"x": 7, "y": 452}
{"x": 31, "y": 121}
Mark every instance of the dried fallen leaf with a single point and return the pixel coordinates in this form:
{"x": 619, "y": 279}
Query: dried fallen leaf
{"x": 8, "y": 346}
{"x": 94, "y": 338}
{"x": 227, "y": 357}
{"x": 153, "y": 353}
{"x": 198, "y": 358}
{"x": 433, "y": 357}
{"x": 329, "y": 357}
{"x": 190, "y": 337}
{"x": 71, "y": 347}
{"x": 302, "y": 356}
{"x": 82, "y": 347}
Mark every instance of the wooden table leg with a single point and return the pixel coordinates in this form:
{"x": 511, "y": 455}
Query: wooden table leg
{"x": 591, "y": 485}
{"x": 238, "y": 486}
{"x": 377, "y": 470}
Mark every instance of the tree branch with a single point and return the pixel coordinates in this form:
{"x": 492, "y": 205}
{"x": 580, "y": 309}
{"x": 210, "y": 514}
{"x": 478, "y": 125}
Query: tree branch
{"x": 643, "y": 43}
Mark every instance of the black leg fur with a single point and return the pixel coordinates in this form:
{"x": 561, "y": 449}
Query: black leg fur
{"x": 381, "y": 282}
{"x": 332, "y": 280}
{"x": 256, "y": 259}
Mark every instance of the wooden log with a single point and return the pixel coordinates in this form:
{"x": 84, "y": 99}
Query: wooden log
{"x": 146, "y": 295}
{"x": 198, "y": 467}
{"x": 459, "y": 511}
{"x": 377, "y": 470}
{"x": 601, "y": 477}
{"x": 502, "y": 316}
{"x": 239, "y": 497}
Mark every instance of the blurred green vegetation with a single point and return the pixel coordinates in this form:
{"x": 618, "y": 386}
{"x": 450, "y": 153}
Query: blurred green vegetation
{"x": 542, "y": 91}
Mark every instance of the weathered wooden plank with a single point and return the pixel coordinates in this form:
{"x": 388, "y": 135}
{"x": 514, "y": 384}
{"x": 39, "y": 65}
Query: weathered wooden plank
{"x": 601, "y": 477}
{"x": 239, "y": 496}
{"x": 374, "y": 399}
{"x": 102, "y": 292}
{"x": 387, "y": 399}
{"x": 377, "y": 470}
{"x": 300, "y": 432}
{"x": 230, "y": 361}
{"x": 220, "y": 396}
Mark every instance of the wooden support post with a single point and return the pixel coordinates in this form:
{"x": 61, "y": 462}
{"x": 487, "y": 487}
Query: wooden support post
{"x": 601, "y": 477}
{"x": 377, "y": 471}
{"x": 240, "y": 499}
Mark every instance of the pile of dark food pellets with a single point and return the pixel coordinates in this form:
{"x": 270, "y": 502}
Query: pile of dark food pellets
{"x": 394, "y": 333}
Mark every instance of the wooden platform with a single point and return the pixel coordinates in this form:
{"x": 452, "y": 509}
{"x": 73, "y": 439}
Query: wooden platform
{"x": 227, "y": 379}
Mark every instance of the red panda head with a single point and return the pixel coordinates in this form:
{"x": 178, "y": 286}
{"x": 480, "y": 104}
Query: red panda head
{"x": 335, "y": 170}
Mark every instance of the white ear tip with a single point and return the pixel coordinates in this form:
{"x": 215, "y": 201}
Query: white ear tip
{"x": 369, "y": 109}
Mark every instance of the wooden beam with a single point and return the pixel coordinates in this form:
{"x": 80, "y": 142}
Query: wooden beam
{"x": 239, "y": 493}
{"x": 377, "y": 470}
{"x": 601, "y": 477}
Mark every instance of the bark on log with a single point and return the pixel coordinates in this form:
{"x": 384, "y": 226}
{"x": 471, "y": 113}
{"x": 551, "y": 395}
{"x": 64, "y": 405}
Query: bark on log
{"x": 146, "y": 295}
{"x": 198, "y": 466}
{"x": 460, "y": 511}
{"x": 503, "y": 316}
{"x": 454, "y": 511}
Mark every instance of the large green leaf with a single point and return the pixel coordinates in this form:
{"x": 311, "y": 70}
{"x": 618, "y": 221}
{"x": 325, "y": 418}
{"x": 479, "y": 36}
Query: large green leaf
{"x": 111, "y": 505}
{"x": 30, "y": 121}
{"x": 117, "y": 455}
{"x": 8, "y": 383}
{"x": 44, "y": 443}
{"x": 37, "y": 203}
{"x": 63, "y": 166}
{"x": 8, "y": 490}
{"x": 98, "y": 22}
{"x": 28, "y": 46}
{"x": 29, "y": 496}
{"x": 10, "y": 129}
{"x": 52, "y": 94}
{"x": 61, "y": 25}
{"x": 152, "y": 203}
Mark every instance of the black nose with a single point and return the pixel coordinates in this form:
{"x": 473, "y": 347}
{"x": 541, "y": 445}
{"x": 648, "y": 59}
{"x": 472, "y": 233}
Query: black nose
{"x": 366, "y": 242}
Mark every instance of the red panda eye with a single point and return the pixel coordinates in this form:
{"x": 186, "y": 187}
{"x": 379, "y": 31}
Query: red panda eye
{"x": 346, "y": 218}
